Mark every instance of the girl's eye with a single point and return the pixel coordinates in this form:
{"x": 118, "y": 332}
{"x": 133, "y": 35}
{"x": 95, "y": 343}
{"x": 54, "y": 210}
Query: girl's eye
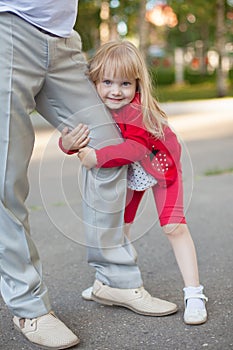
{"x": 107, "y": 82}
{"x": 126, "y": 83}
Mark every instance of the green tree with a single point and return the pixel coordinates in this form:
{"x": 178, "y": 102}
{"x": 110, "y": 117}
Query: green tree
{"x": 195, "y": 22}
{"x": 196, "y": 27}
{"x": 87, "y": 24}
{"x": 88, "y": 21}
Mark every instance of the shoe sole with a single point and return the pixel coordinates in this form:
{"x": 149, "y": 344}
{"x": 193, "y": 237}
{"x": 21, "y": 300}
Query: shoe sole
{"x": 87, "y": 298}
{"x": 195, "y": 323}
{"x": 47, "y": 347}
{"x": 115, "y": 303}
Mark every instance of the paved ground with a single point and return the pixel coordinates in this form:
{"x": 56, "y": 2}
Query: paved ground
{"x": 206, "y": 129}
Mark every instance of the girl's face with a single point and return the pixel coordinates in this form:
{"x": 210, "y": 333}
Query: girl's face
{"x": 116, "y": 92}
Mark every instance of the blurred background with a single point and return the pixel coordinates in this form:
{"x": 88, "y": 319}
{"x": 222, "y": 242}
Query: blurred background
{"x": 188, "y": 44}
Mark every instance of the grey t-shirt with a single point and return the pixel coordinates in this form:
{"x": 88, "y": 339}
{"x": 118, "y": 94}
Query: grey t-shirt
{"x": 57, "y": 17}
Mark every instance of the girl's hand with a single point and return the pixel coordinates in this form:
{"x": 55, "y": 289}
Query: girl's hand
{"x": 88, "y": 158}
{"x": 75, "y": 139}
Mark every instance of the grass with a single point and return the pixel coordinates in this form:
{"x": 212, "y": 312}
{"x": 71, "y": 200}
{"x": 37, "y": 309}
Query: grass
{"x": 186, "y": 92}
{"x": 218, "y": 171}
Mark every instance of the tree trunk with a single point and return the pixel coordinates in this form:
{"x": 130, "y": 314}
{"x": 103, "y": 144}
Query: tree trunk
{"x": 179, "y": 65}
{"x": 104, "y": 25}
{"x": 143, "y": 28}
{"x": 220, "y": 45}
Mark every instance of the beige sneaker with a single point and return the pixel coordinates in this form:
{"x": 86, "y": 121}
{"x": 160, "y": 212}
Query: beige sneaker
{"x": 137, "y": 300}
{"x": 47, "y": 331}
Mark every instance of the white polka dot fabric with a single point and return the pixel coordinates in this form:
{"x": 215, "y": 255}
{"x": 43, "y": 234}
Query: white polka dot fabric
{"x": 138, "y": 179}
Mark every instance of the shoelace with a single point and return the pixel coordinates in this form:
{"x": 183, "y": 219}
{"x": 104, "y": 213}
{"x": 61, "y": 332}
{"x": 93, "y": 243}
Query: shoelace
{"x": 143, "y": 293}
{"x": 33, "y": 321}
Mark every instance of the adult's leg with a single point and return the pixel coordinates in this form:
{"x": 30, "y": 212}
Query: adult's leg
{"x": 21, "y": 78}
{"x": 68, "y": 98}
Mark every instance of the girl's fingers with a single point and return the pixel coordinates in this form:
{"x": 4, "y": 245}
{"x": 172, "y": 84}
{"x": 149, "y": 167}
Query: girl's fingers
{"x": 84, "y": 135}
{"x": 84, "y": 143}
{"x": 81, "y": 135}
{"x": 77, "y": 138}
{"x": 65, "y": 131}
{"x": 79, "y": 130}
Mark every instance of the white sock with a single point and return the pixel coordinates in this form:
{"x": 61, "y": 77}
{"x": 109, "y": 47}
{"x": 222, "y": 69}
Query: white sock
{"x": 194, "y": 303}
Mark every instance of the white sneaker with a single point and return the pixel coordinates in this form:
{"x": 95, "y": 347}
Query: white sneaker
{"x": 47, "y": 331}
{"x": 195, "y": 315}
{"x": 87, "y": 294}
{"x": 137, "y": 300}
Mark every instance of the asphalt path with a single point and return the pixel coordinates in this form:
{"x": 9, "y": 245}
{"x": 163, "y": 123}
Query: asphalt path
{"x": 206, "y": 133}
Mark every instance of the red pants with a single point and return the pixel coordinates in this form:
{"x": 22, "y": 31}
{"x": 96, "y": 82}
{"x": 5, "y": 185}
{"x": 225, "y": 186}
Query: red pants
{"x": 169, "y": 203}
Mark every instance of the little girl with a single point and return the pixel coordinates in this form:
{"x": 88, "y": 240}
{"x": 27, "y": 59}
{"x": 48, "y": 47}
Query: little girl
{"x": 153, "y": 152}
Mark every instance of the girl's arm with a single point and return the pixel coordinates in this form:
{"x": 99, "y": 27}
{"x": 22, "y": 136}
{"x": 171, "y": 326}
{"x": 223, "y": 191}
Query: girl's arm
{"x": 129, "y": 151}
{"x": 136, "y": 141}
{"x": 134, "y": 147}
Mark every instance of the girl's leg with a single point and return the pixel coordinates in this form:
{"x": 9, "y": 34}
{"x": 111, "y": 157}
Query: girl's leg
{"x": 185, "y": 253}
{"x": 127, "y": 230}
{"x": 169, "y": 204}
{"x": 133, "y": 199}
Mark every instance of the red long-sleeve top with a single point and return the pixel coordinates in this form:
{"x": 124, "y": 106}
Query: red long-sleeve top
{"x": 159, "y": 157}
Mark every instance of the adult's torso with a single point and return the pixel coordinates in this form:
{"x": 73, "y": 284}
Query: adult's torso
{"x": 57, "y": 17}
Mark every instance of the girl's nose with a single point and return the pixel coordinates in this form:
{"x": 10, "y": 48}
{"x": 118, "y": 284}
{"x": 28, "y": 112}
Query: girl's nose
{"x": 116, "y": 90}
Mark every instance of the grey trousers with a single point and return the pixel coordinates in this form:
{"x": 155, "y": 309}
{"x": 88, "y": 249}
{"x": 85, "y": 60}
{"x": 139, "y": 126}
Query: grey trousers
{"x": 46, "y": 73}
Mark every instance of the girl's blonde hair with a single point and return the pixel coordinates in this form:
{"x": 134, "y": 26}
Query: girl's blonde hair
{"x": 124, "y": 59}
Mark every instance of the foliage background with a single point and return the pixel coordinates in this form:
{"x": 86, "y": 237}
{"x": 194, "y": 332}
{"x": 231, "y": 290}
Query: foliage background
{"x": 197, "y": 23}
